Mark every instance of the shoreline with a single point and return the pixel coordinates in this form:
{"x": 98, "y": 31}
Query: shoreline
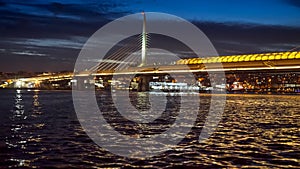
{"x": 200, "y": 92}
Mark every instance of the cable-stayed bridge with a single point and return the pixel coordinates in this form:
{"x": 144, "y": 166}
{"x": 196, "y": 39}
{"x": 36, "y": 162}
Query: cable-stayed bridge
{"x": 133, "y": 56}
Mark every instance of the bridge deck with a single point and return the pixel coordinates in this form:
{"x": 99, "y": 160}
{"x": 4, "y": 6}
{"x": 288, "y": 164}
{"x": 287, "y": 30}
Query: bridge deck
{"x": 204, "y": 67}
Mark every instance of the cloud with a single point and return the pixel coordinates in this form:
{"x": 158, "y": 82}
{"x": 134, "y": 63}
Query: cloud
{"x": 55, "y": 19}
{"x": 29, "y": 53}
{"x": 75, "y": 10}
{"x": 48, "y": 34}
{"x": 74, "y": 43}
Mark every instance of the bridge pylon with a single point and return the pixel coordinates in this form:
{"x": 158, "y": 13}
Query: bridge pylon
{"x": 144, "y": 42}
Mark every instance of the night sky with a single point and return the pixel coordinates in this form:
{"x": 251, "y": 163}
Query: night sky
{"x": 47, "y": 35}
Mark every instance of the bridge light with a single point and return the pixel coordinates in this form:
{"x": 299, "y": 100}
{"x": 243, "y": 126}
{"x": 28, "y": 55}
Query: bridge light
{"x": 236, "y": 59}
{"x": 258, "y": 58}
{"x": 224, "y": 59}
{"x": 230, "y": 59}
{"x": 264, "y": 58}
{"x": 277, "y": 57}
{"x": 209, "y": 60}
{"x": 271, "y": 57}
{"x": 284, "y": 57}
{"x": 19, "y": 84}
{"x": 252, "y": 58}
{"x": 247, "y": 58}
{"x": 291, "y": 56}
{"x": 199, "y": 61}
{"x": 242, "y": 58}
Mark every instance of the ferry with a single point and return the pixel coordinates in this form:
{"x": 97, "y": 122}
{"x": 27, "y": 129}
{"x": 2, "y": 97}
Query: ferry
{"x": 172, "y": 87}
{"x": 237, "y": 86}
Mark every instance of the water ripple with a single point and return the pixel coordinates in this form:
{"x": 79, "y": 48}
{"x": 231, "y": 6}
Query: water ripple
{"x": 256, "y": 131}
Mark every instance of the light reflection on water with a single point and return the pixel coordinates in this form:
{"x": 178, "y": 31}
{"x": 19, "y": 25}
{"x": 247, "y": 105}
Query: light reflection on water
{"x": 20, "y": 138}
{"x": 17, "y": 139}
{"x": 256, "y": 130}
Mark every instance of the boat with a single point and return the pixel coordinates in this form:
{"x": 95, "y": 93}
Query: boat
{"x": 172, "y": 87}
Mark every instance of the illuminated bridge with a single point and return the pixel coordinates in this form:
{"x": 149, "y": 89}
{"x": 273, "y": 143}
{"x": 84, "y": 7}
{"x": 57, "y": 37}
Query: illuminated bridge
{"x": 121, "y": 62}
{"x": 279, "y": 60}
{"x": 112, "y": 64}
{"x": 263, "y": 61}
{"x": 257, "y": 63}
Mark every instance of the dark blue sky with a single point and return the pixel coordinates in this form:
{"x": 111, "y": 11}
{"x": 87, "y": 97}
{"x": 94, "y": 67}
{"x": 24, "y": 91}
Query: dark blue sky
{"x": 275, "y": 12}
{"x": 46, "y": 35}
